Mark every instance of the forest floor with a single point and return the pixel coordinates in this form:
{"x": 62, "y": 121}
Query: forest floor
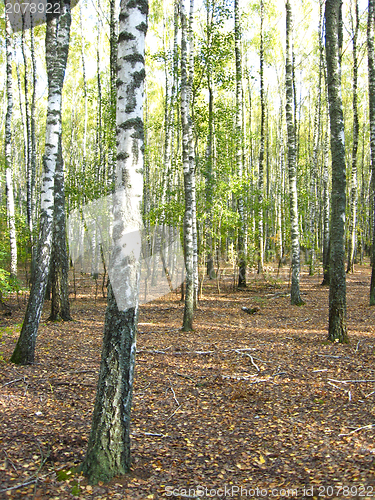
{"x": 253, "y": 402}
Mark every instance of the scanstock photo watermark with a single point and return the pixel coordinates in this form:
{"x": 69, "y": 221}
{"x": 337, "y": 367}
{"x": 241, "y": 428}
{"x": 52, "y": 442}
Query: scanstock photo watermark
{"x": 231, "y": 491}
{"x": 235, "y": 491}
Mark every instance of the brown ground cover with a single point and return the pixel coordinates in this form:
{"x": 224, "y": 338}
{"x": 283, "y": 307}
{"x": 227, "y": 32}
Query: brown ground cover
{"x": 252, "y": 401}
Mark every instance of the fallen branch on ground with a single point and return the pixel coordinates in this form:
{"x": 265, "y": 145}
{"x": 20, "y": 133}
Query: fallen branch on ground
{"x": 342, "y": 389}
{"x": 354, "y": 381}
{"x": 358, "y": 429}
{"x": 184, "y": 376}
{"x": 251, "y": 359}
{"x": 14, "y": 381}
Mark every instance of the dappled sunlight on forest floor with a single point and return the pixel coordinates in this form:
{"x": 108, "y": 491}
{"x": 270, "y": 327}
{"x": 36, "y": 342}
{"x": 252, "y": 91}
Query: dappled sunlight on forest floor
{"x": 245, "y": 401}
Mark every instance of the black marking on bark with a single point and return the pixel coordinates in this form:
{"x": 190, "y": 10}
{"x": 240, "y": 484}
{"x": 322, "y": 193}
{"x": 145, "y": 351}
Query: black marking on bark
{"x": 125, "y": 177}
{"x": 142, "y": 27}
{"x": 122, "y": 156}
{"x": 131, "y": 105}
{"x": 123, "y": 17}
{"x": 142, "y": 5}
{"x": 125, "y": 36}
{"x": 137, "y": 81}
{"x": 138, "y": 78}
{"x": 133, "y": 59}
{"x": 119, "y": 83}
{"x": 136, "y": 124}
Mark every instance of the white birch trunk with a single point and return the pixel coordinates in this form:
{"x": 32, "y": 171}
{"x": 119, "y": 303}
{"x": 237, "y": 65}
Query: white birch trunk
{"x": 8, "y": 152}
{"x": 57, "y": 48}
{"x": 295, "y": 292}
{"x": 108, "y": 451}
{"x": 189, "y": 184}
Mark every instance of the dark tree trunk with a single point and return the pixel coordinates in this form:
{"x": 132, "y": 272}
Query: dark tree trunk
{"x": 337, "y": 289}
{"x": 60, "y": 306}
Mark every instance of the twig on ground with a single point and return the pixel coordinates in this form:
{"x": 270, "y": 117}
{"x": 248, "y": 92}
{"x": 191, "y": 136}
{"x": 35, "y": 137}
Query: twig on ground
{"x": 371, "y": 393}
{"x": 21, "y": 485}
{"x": 241, "y": 349}
{"x": 356, "y": 349}
{"x": 328, "y": 356}
{"x": 261, "y": 360}
{"x": 184, "y": 376}
{"x": 342, "y": 389}
{"x": 10, "y": 461}
{"x": 84, "y": 371}
{"x": 14, "y": 381}
{"x": 154, "y": 351}
{"x": 170, "y": 416}
{"x": 358, "y": 429}
{"x": 352, "y": 381}
{"x": 277, "y": 294}
{"x": 337, "y": 387}
{"x": 323, "y": 370}
{"x": 174, "y": 394}
{"x": 251, "y": 359}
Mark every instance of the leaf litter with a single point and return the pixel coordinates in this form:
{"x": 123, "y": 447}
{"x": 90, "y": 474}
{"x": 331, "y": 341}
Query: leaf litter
{"x": 250, "y": 401}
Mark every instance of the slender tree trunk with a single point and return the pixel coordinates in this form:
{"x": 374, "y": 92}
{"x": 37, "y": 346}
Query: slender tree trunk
{"x": 337, "y": 288}
{"x": 23, "y": 121}
{"x": 32, "y": 126}
{"x": 192, "y": 155}
{"x": 209, "y": 147}
{"x": 326, "y": 208}
{"x": 295, "y": 292}
{"x": 189, "y": 184}
{"x": 108, "y": 452}
{"x": 280, "y": 192}
{"x": 101, "y": 175}
{"x": 371, "y": 92}
{"x": 353, "y": 189}
{"x": 8, "y": 152}
{"x": 239, "y": 148}
{"x": 85, "y": 96}
{"x": 112, "y": 69}
{"x": 57, "y": 48}
{"x": 261, "y": 148}
{"x": 29, "y": 191}
{"x": 314, "y": 163}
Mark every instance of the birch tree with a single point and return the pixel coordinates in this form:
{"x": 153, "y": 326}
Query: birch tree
{"x": 314, "y": 162}
{"x": 295, "y": 292}
{"x": 108, "y": 452}
{"x": 210, "y": 5}
{"x": 59, "y": 267}
{"x": 8, "y": 152}
{"x": 353, "y": 187}
{"x": 261, "y": 147}
{"x": 189, "y": 180}
{"x": 57, "y": 48}
{"x": 239, "y": 148}
{"x": 371, "y": 93}
{"x": 337, "y": 288}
